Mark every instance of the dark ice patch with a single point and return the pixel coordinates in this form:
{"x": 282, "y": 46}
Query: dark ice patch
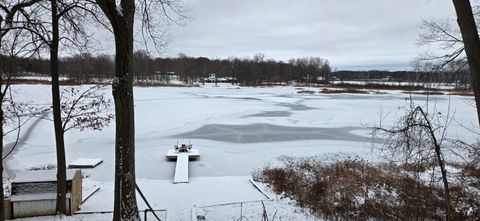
{"x": 271, "y": 114}
{"x": 296, "y": 106}
{"x": 264, "y": 133}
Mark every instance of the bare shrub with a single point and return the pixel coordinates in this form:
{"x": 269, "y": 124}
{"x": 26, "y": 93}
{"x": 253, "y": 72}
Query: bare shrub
{"x": 359, "y": 190}
{"x": 306, "y": 92}
{"x": 343, "y": 91}
{"x": 424, "y": 92}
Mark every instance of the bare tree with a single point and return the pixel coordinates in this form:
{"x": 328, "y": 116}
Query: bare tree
{"x": 417, "y": 138}
{"x": 444, "y": 36}
{"x": 67, "y": 12}
{"x": 460, "y": 47}
{"x": 64, "y": 27}
{"x": 8, "y": 13}
{"x": 471, "y": 41}
{"x": 84, "y": 108}
{"x": 121, "y": 16}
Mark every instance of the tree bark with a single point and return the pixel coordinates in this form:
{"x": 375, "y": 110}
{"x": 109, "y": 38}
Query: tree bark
{"x": 2, "y": 208}
{"x": 121, "y": 18}
{"x": 446, "y": 188}
{"x": 57, "y": 118}
{"x": 2, "y": 196}
{"x": 471, "y": 41}
{"x": 125, "y": 197}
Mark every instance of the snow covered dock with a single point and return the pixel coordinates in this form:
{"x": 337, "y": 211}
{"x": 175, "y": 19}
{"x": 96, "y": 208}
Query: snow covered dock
{"x": 85, "y": 163}
{"x": 181, "y": 168}
{"x": 192, "y": 154}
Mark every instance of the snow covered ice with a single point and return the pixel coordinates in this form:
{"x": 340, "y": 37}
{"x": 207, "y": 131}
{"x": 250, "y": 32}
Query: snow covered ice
{"x": 237, "y": 130}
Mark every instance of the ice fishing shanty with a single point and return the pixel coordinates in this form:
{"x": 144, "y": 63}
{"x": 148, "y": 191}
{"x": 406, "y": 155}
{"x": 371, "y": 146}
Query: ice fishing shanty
{"x": 182, "y": 154}
{"x": 34, "y": 193}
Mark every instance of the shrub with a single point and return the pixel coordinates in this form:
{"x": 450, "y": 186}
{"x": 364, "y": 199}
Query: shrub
{"x": 359, "y": 190}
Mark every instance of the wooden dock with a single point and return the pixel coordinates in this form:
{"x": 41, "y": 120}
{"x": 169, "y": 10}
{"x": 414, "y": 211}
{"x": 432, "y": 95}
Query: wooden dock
{"x": 192, "y": 154}
{"x": 181, "y": 168}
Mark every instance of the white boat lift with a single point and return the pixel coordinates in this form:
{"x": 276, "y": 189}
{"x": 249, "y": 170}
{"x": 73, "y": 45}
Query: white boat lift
{"x": 182, "y": 155}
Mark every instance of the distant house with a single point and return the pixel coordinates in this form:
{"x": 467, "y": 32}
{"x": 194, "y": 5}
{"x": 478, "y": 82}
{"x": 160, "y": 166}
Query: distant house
{"x": 34, "y": 193}
{"x": 212, "y": 78}
{"x": 157, "y": 78}
{"x": 167, "y": 77}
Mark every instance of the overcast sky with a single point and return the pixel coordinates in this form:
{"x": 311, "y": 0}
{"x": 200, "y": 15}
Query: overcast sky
{"x": 352, "y": 34}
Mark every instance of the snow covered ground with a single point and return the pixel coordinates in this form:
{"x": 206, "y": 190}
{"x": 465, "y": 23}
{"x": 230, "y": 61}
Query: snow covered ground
{"x": 236, "y": 129}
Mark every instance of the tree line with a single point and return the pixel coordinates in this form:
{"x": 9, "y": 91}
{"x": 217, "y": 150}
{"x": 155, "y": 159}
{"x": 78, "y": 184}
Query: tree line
{"x": 458, "y": 78}
{"x": 86, "y": 68}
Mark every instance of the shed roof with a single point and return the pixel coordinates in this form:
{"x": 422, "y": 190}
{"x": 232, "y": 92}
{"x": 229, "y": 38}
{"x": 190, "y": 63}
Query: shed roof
{"x": 40, "y": 176}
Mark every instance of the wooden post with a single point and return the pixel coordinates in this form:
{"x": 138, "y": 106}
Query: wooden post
{"x": 7, "y": 205}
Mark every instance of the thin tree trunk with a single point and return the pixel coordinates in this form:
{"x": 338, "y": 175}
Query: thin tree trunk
{"x": 471, "y": 42}
{"x": 441, "y": 163}
{"x": 2, "y": 208}
{"x": 2, "y": 196}
{"x": 57, "y": 119}
{"x": 446, "y": 187}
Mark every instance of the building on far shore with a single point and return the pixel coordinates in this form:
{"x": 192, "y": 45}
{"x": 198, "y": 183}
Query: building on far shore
{"x": 212, "y": 78}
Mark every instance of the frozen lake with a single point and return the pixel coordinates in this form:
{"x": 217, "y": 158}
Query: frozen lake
{"x": 236, "y": 130}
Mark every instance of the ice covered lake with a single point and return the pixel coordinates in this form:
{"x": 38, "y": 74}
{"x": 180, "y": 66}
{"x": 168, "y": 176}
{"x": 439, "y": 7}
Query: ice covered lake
{"x": 236, "y": 129}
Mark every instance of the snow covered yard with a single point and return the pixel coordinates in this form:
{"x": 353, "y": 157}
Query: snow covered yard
{"x": 237, "y": 130}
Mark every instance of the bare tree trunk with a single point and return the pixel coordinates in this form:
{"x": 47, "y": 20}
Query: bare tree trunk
{"x": 125, "y": 198}
{"x": 441, "y": 163}
{"x": 446, "y": 187}
{"x": 2, "y": 196}
{"x": 57, "y": 119}
{"x": 121, "y": 19}
{"x": 469, "y": 31}
{"x": 2, "y": 208}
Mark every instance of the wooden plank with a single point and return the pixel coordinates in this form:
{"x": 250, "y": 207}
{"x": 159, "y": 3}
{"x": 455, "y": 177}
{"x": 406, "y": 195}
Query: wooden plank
{"x": 260, "y": 189}
{"x": 181, "y": 169}
{"x": 90, "y": 193}
{"x": 76, "y": 192}
{"x": 7, "y": 208}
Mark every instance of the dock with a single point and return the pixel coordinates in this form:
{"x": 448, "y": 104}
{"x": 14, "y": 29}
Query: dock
{"x": 181, "y": 168}
{"x": 85, "y": 163}
{"x": 192, "y": 154}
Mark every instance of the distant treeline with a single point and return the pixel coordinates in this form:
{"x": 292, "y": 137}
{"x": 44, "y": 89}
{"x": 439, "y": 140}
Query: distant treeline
{"x": 85, "y": 68}
{"x": 249, "y": 71}
{"x": 461, "y": 78}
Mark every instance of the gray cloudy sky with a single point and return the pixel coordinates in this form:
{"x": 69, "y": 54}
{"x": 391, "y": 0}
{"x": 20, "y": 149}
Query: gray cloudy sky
{"x": 352, "y": 34}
